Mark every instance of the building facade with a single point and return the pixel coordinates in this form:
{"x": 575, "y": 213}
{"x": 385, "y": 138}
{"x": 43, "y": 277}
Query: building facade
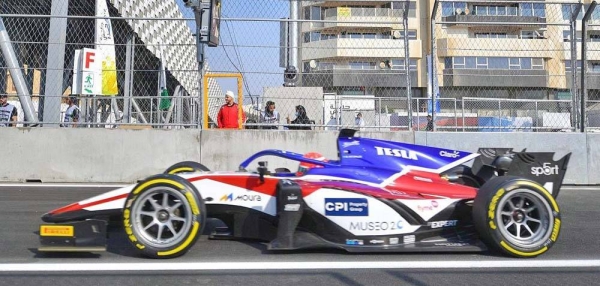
{"x": 503, "y": 49}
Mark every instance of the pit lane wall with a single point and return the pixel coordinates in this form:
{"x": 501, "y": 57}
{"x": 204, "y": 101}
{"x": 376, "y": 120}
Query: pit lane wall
{"x": 125, "y": 156}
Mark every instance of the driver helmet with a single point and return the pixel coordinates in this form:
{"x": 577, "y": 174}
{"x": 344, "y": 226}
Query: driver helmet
{"x": 303, "y": 167}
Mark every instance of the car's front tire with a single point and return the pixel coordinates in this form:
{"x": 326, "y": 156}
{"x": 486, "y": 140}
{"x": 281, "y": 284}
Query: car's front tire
{"x": 163, "y": 216}
{"x": 517, "y": 216}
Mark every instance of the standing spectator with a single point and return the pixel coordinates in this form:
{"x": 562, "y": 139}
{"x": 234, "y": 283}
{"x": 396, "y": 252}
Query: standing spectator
{"x": 229, "y": 113}
{"x": 72, "y": 113}
{"x": 8, "y": 112}
{"x": 270, "y": 116}
{"x": 359, "y": 122}
{"x": 429, "y": 124}
{"x": 301, "y": 118}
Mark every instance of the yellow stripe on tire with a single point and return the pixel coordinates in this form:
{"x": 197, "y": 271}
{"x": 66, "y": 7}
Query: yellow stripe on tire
{"x": 182, "y": 169}
{"x": 184, "y": 244}
{"x": 157, "y": 181}
{"x": 521, "y": 253}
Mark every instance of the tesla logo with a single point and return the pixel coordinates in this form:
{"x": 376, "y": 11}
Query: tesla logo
{"x": 406, "y": 154}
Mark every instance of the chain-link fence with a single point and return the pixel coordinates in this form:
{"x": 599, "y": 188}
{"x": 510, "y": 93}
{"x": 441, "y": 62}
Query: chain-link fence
{"x": 496, "y": 65}
{"x": 513, "y": 62}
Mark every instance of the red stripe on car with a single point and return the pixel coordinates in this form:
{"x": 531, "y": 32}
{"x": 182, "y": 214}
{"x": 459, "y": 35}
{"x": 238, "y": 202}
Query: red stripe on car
{"x": 77, "y": 206}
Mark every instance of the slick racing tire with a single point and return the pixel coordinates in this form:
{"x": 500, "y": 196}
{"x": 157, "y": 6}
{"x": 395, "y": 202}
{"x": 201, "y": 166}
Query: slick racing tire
{"x": 185, "y": 167}
{"x": 517, "y": 216}
{"x": 163, "y": 216}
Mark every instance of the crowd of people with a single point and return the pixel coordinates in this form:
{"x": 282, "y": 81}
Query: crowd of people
{"x": 229, "y": 117}
{"x": 9, "y": 113}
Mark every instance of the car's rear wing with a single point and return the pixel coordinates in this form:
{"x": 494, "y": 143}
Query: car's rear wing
{"x": 537, "y": 166}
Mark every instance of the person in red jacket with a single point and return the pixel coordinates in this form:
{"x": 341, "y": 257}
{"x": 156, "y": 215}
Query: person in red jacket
{"x": 228, "y": 114}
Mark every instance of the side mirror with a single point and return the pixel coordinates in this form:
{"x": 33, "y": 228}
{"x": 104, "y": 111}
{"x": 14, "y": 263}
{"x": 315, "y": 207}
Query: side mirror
{"x": 262, "y": 170}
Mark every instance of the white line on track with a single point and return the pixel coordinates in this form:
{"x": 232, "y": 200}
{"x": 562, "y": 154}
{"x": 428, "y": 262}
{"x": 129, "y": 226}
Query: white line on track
{"x": 199, "y": 266}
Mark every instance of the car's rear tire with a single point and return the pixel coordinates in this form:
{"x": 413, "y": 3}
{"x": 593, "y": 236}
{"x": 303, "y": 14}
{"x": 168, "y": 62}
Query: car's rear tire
{"x": 186, "y": 167}
{"x": 163, "y": 216}
{"x": 516, "y": 216}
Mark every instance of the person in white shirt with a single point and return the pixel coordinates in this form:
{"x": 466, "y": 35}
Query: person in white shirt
{"x": 270, "y": 116}
{"x": 359, "y": 121}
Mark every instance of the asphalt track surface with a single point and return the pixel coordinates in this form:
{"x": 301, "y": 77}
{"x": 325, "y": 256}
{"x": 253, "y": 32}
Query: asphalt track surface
{"x": 574, "y": 259}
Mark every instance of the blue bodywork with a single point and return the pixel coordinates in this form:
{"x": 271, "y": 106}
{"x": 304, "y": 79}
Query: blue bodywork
{"x": 373, "y": 160}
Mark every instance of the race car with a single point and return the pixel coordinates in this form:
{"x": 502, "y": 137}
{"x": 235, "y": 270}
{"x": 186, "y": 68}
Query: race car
{"x": 377, "y": 196}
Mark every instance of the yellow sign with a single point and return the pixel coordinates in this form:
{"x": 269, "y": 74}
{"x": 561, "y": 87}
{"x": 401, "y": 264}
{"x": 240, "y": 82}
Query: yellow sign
{"x": 344, "y": 12}
{"x": 56, "y": 230}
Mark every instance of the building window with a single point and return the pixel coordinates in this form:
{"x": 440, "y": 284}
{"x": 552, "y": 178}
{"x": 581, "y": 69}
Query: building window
{"x": 492, "y": 35}
{"x": 568, "y": 9}
{"x": 315, "y": 36}
{"x": 362, "y": 65}
{"x": 523, "y": 9}
{"x": 398, "y": 64}
{"x": 495, "y": 63}
{"x": 459, "y": 63}
{"x": 527, "y": 35}
{"x": 594, "y": 37}
{"x": 449, "y": 8}
{"x": 399, "y": 5}
{"x": 514, "y": 64}
{"x": 567, "y": 36}
{"x": 412, "y": 35}
{"x": 498, "y": 63}
{"x": 533, "y": 9}
{"x": 537, "y": 64}
{"x": 568, "y": 65}
{"x": 482, "y": 63}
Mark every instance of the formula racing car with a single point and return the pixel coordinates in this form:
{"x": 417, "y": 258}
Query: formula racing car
{"x": 377, "y": 196}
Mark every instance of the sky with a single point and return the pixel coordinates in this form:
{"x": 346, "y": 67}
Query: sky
{"x": 252, "y": 47}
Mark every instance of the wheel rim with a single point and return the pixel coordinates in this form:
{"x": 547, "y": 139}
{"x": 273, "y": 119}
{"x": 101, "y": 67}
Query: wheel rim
{"x": 161, "y": 217}
{"x": 524, "y": 218}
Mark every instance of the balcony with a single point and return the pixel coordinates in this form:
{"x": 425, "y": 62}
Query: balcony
{"x": 350, "y": 77}
{"x": 593, "y": 50}
{"x": 360, "y": 48}
{"x": 475, "y": 20}
{"x": 495, "y": 78}
{"x": 504, "y": 47}
{"x": 592, "y": 79}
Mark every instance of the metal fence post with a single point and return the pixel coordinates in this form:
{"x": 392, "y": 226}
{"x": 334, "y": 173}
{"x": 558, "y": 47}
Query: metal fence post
{"x": 407, "y": 63}
{"x": 433, "y": 63}
{"x": 537, "y": 123}
{"x": 584, "y": 23}
{"x": 15, "y": 72}
{"x": 574, "y": 93}
{"x": 55, "y": 61}
{"x": 463, "y": 113}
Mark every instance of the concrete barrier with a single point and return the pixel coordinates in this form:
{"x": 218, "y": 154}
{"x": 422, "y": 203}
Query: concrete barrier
{"x": 226, "y": 149}
{"x": 92, "y": 155}
{"x": 125, "y": 156}
{"x": 561, "y": 143}
{"x": 593, "y": 158}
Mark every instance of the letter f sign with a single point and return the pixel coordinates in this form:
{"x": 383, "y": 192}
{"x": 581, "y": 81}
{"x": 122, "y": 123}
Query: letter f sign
{"x": 89, "y": 58}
